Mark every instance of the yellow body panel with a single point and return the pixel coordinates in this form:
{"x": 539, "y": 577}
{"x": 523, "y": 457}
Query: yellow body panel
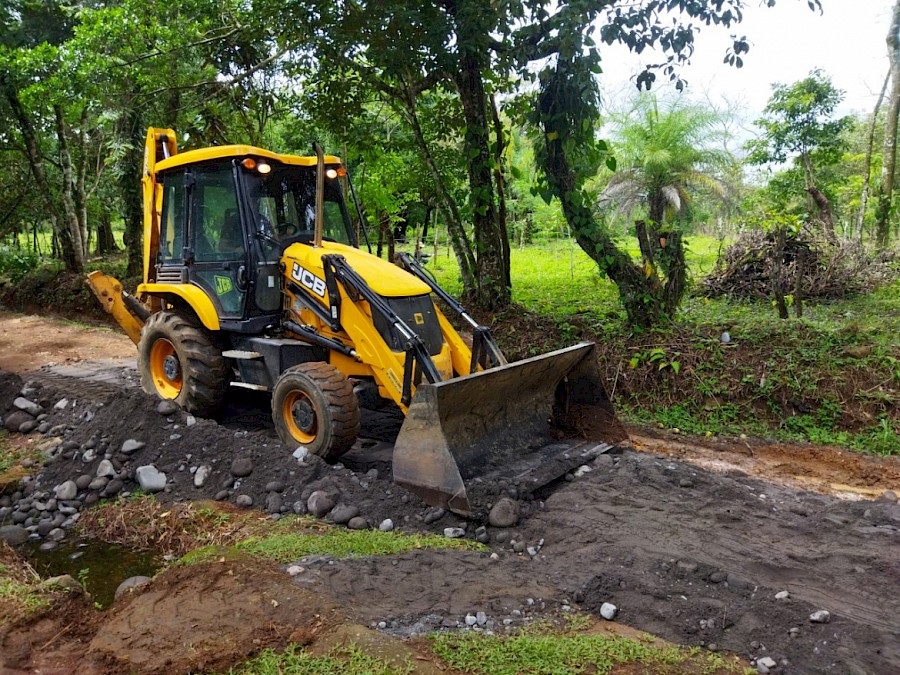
{"x": 224, "y": 151}
{"x": 153, "y": 154}
{"x": 383, "y": 277}
{"x": 195, "y": 296}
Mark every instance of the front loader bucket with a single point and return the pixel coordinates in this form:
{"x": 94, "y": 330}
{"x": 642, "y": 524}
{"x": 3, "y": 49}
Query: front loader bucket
{"x": 525, "y": 424}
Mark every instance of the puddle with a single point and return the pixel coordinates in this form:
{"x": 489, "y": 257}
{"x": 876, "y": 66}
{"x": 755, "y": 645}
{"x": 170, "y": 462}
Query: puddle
{"x": 98, "y": 566}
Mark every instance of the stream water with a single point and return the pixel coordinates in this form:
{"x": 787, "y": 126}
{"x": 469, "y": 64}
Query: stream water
{"x": 100, "y": 567}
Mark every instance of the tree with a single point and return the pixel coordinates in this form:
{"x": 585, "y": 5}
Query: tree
{"x": 566, "y": 109}
{"x": 885, "y": 199}
{"x": 665, "y": 156}
{"x": 798, "y": 125}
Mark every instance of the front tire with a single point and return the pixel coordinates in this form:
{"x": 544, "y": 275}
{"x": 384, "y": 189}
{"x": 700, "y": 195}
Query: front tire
{"x": 313, "y": 405}
{"x": 179, "y": 361}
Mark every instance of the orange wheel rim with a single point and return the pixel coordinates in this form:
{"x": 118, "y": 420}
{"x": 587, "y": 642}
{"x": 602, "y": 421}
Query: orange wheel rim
{"x": 300, "y": 417}
{"x": 165, "y": 369}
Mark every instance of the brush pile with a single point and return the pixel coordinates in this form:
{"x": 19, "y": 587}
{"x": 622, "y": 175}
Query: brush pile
{"x": 747, "y": 267}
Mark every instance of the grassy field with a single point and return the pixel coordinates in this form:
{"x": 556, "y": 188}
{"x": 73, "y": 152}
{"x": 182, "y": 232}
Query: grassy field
{"x": 793, "y": 380}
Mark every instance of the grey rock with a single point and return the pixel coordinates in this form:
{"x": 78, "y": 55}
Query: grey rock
{"x": 57, "y": 534}
{"x": 454, "y": 532}
{"x": 319, "y": 503}
{"x": 43, "y": 529}
{"x": 481, "y": 618}
{"x": 47, "y": 546}
{"x": 100, "y": 483}
{"x": 358, "y": 523}
{"x": 244, "y": 501}
{"x": 889, "y": 496}
{"x": 717, "y": 577}
{"x": 386, "y": 525}
{"x": 190, "y": 420}
{"x": 13, "y": 534}
{"x": 131, "y": 446}
{"x": 43, "y": 427}
{"x": 89, "y": 455}
{"x": 64, "y": 581}
{"x": 342, "y": 513}
{"x": 201, "y": 475}
{"x": 686, "y": 566}
{"x": 820, "y": 616}
{"x": 275, "y": 486}
{"x": 608, "y": 611}
{"x": 372, "y": 474}
{"x": 14, "y": 420}
{"x": 19, "y": 517}
{"x": 114, "y": 487}
{"x": 433, "y": 515}
{"x": 242, "y": 467}
{"x": 150, "y": 478}
{"x": 28, "y": 427}
{"x": 505, "y": 513}
{"x": 221, "y": 495}
{"x": 67, "y": 490}
{"x": 130, "y": 584}
{"x": 61, "y": 404}
{"x": 105, "y": 469}
{"x": 518, "y": 546}
{"x": 30, "y": 407}
{"x": 91, "y": 498}
{"x": 166, "y": 408}
{"x": 274, "y": 503}
{"x": 766, "y": 662}
{"x": 83, "y": 481}
{"x": 782, "y": 595}
{"x": 471, "y": 619}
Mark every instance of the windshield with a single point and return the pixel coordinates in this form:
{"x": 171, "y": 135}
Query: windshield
{"x": 283, "y": 203}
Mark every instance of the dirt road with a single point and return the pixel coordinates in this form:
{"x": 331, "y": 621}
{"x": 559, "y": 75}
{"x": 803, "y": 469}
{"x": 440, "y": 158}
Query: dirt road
{"x": 691, "y": 541}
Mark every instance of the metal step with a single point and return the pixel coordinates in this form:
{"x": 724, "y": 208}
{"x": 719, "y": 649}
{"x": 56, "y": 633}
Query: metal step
{"x": 240, "y": 354}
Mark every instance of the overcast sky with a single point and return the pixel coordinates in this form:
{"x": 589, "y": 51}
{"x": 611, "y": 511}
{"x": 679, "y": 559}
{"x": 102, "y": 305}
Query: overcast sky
{"x": 847, "y": 41}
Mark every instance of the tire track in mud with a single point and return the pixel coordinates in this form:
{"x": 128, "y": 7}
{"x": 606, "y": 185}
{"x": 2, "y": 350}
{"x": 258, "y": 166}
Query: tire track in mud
{"x": 673, "y": 545}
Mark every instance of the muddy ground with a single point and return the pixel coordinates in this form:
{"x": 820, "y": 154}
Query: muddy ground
{"x": 691, "y": 540}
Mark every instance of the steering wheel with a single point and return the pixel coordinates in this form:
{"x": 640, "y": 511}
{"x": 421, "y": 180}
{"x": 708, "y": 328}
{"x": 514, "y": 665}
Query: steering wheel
{"x": 288, "y": 229}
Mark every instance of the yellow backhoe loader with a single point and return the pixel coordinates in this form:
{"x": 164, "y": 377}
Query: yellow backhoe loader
{"x": 253, "y": 278}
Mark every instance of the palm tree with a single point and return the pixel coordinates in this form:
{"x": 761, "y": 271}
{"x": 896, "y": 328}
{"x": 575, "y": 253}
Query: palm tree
{"x": 665, "y": 158}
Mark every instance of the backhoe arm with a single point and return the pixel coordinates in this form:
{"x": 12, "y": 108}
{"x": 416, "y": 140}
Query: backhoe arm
{"x": 125, "y": 308}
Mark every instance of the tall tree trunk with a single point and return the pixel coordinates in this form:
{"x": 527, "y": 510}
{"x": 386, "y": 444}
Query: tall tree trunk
{"x": 889, "y": 152}
{"x": 106, "y": 241}
{"x": 133, "y": 132}
{"x": 493, "y": 291}
{"x": 455, "y": 230}
{"x": 867, "y": 167}
{"x": 36, "y": 163}
{"x": 824, "y": 207}
{"x": 68, "y": 189}
{"x": 499, "y": 145}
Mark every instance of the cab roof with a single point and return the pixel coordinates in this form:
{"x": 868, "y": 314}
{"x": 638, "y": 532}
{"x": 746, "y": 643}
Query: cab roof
{"x": 227, "y": 151}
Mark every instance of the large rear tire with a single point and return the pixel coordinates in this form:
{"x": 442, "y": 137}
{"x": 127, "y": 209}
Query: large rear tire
{"x": 313, "y": 405}
{"x": 180, "y": 361}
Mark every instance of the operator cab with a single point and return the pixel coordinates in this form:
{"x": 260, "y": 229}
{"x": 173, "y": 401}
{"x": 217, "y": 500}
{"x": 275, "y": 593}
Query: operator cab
{"x": 226, "y": 221}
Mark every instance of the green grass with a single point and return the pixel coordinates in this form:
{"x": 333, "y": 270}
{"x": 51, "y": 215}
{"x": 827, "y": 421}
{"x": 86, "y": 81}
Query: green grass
{"x": 23, "y": 595}
{"x": 811, "y": 388}
{"x": 558, "y": 279}
{"x": 342, "y": 543}
{"x": 296, "y": 661}
{"x": 281, "y": 542}
{"x": 555, "y": 654}
{"x": 538, "y": 650}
